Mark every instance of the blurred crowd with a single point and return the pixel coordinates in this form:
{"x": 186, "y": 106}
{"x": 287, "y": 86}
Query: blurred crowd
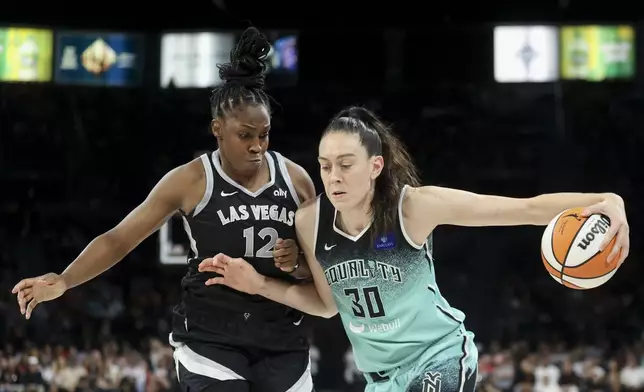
{"x": 560, "y": 368}
{"x": 114, "y": 368}
{"x": 74, "y": 161}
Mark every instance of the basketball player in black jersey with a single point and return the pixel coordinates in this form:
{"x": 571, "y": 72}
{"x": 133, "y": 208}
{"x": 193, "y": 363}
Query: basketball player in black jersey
{"x": 240, "y": 199}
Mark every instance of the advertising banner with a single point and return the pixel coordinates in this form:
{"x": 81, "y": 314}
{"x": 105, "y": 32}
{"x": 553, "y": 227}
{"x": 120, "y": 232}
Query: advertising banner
{"x": 596, "y": 53}
{"x": 525, "y": 54}
{"x": 95, "y": 59}
{"x": 25, "y": 55}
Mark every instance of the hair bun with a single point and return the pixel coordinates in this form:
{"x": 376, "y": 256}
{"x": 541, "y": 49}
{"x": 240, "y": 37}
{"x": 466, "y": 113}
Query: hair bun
{"x": 247, "y": 60}
{"x": 367, "y": 117}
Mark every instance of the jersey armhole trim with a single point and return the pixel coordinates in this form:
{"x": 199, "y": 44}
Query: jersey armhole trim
{"x": 317, "y": 225}
{"x": 281, "y": 163}
{"x": 210, "y": 183}
{"x": 402, "y": 221}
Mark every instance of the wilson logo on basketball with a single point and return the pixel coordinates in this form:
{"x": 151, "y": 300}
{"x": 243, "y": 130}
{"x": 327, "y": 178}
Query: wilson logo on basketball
{"x": 600, "y": 227}
{"x": 576, "y": 216}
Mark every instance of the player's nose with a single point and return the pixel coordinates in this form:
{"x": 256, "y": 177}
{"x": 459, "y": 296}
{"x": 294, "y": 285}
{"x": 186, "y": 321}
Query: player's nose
{"x": 255, "y": 147}
{"x": 335, "y": 175}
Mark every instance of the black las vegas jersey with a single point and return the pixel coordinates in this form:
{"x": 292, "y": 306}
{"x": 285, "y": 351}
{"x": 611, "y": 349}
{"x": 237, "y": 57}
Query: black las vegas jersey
{"x": 232, "y": 220}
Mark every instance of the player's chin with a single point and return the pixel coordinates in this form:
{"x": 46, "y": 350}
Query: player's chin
{"x": 248, "y": 166}
{"x": 341, "y": 201}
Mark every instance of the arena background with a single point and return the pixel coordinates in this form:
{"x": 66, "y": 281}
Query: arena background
{"x": 559, "y": 109}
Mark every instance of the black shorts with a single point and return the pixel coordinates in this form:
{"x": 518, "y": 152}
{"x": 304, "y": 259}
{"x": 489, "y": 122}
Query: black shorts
{"x": 242, "y": 369}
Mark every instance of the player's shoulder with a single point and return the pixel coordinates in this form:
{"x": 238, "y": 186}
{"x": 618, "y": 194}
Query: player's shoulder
{"x": 294, "y": 170}
{"x": 309, "y": 208}
{"x": 181, "y": 186}
{"x": 306, "y": 214}
{"x": 414, "y": 195}
{"x": 306, "y": 218}
{"x": 416, "y": 202}
{"x": 301, "y": 179}
{"x": 191, "y": 171}
{"x": 409, "y": 194}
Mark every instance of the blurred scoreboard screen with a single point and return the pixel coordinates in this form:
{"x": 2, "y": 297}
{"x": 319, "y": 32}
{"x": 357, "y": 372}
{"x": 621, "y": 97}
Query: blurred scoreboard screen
{"x": 284, "y": 56}
{"x": 94, "y": 59}
{"x": 174, "y": 244}
{"x": 189, "y": 60}
{"x": 283, "y": 59}
{"x": 25, "y": 55}
{"x": 525, "y": 54}
{"x": 597, "y": 53}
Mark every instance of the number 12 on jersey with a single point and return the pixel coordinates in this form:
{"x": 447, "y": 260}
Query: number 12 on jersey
{"x": 266, "y": 251}
{"x": 371, "y": 296}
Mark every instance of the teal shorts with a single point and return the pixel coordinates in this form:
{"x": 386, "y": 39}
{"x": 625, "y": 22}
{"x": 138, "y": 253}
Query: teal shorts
{"x": 454, "y": 370}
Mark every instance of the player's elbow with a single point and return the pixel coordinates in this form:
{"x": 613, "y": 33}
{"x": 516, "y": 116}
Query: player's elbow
{"x": 317, "y": 309}
{"x": 330, "y": 309}
{"x": 328, "y": 313}
{"x": 323, "y": 309}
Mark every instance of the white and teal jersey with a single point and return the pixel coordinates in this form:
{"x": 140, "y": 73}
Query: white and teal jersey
{"x": 385, "y": 290}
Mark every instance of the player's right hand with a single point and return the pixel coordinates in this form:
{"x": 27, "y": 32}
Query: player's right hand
{"x": 236, "y": 273}
{"x": 613, "y": 207}
{"x": 32, "y": 291}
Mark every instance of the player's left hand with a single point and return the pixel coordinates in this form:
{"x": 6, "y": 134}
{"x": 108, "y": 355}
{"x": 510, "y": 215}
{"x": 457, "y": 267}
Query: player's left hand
{"x": 285, "y": 254}
{"x": 236, "y": 273}
{"x": 613, "y": 207}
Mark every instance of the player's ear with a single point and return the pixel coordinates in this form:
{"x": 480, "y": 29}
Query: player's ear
{"x": 377, "y": 164}
{"x": 215, "y": 127}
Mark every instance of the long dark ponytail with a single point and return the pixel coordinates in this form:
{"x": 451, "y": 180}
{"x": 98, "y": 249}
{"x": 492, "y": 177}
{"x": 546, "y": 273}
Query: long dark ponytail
{"x": 399, "y": 169}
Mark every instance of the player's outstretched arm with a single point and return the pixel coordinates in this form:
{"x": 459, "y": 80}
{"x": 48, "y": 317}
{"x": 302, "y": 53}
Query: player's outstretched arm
{"x": 314, "y": 298}
{"x": 430, "y": 206}
{"x": 168, "y": 196}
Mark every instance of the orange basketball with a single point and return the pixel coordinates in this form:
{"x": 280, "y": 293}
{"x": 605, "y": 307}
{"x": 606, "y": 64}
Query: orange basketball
{"x": 570, "y": 250}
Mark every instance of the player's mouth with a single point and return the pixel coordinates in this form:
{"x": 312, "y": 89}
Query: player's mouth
{"x": 255, "y": 160}
{"x": 337, "y": 194}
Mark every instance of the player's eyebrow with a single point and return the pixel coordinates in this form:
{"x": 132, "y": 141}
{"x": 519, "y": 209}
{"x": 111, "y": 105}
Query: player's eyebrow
{"x": 348, "y": 155}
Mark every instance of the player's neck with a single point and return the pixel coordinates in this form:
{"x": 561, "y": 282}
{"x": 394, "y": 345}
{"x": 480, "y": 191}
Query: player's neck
{"x": 249, "y": 180}
{"x": 354, "y": 220}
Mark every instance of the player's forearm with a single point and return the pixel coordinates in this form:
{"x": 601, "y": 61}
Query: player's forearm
{"x": 303, "y": 296}
{"x": 100, "y": 255}
{"x": 545, "y": 207}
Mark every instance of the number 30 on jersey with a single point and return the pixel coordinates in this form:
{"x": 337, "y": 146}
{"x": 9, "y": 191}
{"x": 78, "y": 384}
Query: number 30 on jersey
{"x": 369, "y": 296}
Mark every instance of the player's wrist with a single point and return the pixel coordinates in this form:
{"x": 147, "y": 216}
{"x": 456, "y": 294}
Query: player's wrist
{"x": 298, "y": 263}
{"x": 67, "y": 280}
{"x": 614, "y": 198}
{"x": 294, "y": 268}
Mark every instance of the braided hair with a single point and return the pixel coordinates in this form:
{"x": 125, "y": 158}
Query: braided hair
{"x": 243, "y": 75}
